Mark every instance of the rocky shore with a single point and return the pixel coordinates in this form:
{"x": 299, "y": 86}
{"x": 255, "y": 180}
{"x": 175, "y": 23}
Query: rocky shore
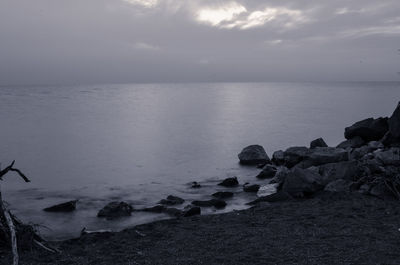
{"x": 332, "y": 205}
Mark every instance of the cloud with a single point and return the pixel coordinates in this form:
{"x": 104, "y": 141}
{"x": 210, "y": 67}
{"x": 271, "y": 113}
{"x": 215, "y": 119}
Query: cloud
{"x": 143, "y": 3}
{"x": 146, "y": 46}
{"x": 217, "y": 15}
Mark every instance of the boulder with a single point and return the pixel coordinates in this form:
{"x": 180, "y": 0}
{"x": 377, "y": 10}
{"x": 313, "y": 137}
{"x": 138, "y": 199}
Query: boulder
{"x": 360, "y": 152}
{"x": 268, "y": 171}
{"x": 229, "y": 182}
{"x": 318, "y": 143}
{"x": 192, "y": 211}
{"x": 352, "y": 143}
{"x": 374, "y": 145}
{"x": 213, "y": 202}
{"x": 275, "y": 197}
{"x": 251, "y": 188}
{"x": 390, "y": 140}
{"x": 223, "y": 194}
{"x": 278, "y": 157}
{"x": 394, "y": 123}
{"x": 389, "y": 157}
{"x": 171, "y": 200}
{"x": 325, "y": 155}
{"x": 195, "y": 185}
{"x": 280, "y": 175}
{"x": 369, "y": 129}
{"x": 115, "y": 209}
{"x": 295, "y": 155}
{"x": 63, "y": 207}
{"x": 173, "y": 212}
{"x": 253, "y": 155}
{"x": 339, "y": 185}
{"x": 380, "y": 190}
{"x": 154, "y": 209}
{"x": 302, "y": 182}
{"x": 342, "y": 170}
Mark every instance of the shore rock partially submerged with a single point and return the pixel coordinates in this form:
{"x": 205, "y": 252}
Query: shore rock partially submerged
{"x": 253, "y": 155}
{"x": 62, "y": 207}
{"x": 115, "y": 210}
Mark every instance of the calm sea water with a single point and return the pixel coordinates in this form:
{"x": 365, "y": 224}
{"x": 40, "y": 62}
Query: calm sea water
{"x": 140, "y": 143}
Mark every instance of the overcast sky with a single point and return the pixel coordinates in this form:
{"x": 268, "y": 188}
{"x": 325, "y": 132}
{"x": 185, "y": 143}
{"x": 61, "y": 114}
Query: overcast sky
{"x": 120, "y": 41}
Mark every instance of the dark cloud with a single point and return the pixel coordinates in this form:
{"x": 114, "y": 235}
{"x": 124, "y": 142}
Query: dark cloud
{"x": 96, "y": 41}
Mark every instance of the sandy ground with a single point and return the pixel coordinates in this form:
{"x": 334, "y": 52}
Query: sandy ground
{"x": 327, "y": 229}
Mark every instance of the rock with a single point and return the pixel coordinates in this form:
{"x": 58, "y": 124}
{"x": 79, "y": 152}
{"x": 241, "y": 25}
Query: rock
{"x": 154, "y": 209}
{"x": 390, "y": 140}
{"x": 223, "y": 194}
{"x": 325, "y": 155}
{"x": 172, "y": 200}
{"x": 352, "y": 143}
{"x": 267, "y": 189}
{"x": 295, "y": 155}
{"x": 342, "y": 170}
{"x": 280, "y": 175}
{"x": 115, "y": 209}
{"x": 173, "y": 211}
{"x": 301, "y": 183}
{"x": 389, "y": 157}
{"x": 380, "y": 190}
{"x": 275, "y": 197}
{"x": 358, "y": 153}
{"x": 195, "y": 185}
{"x": 364, "y": 189}
{"x": 253, "y": 155}
{"x": 394, "y": 123}
{"x": 213, "y": 202}
{"x": 229, "y": 182}
{"x": 339, "y": 185}
{"x": 278, "y": 157}
{"x": 251, "y": 188}
{"x": 369, "y": 129}
{"x": 268, "y": 171}
{"x": 192, "y": 211}
{"x": 318, "y": 143}
{"x": 374, "y": 145}
{"x": 63, "y": 207}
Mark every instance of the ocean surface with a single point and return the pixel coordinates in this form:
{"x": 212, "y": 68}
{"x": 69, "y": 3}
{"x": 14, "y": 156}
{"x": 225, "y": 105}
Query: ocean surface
{"x": 141, "y": 142}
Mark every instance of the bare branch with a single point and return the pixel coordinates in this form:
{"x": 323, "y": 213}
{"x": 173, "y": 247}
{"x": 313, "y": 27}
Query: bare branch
{"x": 11, "y": 168}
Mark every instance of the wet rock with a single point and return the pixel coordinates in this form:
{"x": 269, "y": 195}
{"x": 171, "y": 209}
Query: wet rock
{"x": 389, "y": 157}
{"x": 342, "y": 170}
{"x": 339, "y": 185}
{"x": 251, "y": 188}
{"x": 352, "y": 143}
{"x": 280, "y": 175}
{"x": 275, "y": 197}
{"x": 325, "y": 155}
{"x": 115, "y": 209}
{"x": 154, "y": 209}
{"x": 195, "y": 185}
{"x": 374, "y": 145}
{"x": 278, "y": 157}
{"x": 302, "y": 182}
{"x": 253, "y": 155}
{"x": 318, "y": 143}
{"x": 394, "y": 123}
{"x": 192, "y": 211}
{"x": 173, "y": 212}
{"x": 295, "y": 155}
{"x": 63, "y": 207}
{"x": 229, "y": 182}
{"x": 213, "y": 202}
{"x": 172, "y": 200}
{"x": 223, "y": 194}
{"x": 268, "y": 171}
{"x": 369, "y": 129}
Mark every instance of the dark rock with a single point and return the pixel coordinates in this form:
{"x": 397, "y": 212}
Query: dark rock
{"x": 278, "y": 157}
{"x": 342, "y": 170}
{"x": 195, "y": 185}
{"x": 154, "y": 209}
{"x": 374, "y": 145}
{"x": 280, "y": 175}
{"x": 172, "y": 200}
{"x": 325, "y": 155}
{"x": 261, "y": 165}
{"x": 115, "y": 209}
{"x": 295, "y": 155}
{"x": 339, "y": 185}
{"x": 354, "y": 142}
{"x": 380, "y": 190}
{"x": 369, "y": 129}
{"x": 192, "y": 211}
{"x": 318, "y": 143}
{"x": 223, "y": 194}
{"x": 229, "y": 182}
{"x": 390, "y": 140}
{"x": 275, "y": 197}
{"x": 173, "y": 211}
{"x": 213, "y": 202}
{"x": 359, "y": 153}
{"x": 302, "y": 182}
{"x": 253, "y": 155}
{"x": 63, "y": 207}
{"x": 389, "y": 157}
{"x": 268, "y": 171}
{"x": 251, "y": 188}
{"x": 394, "y": 123}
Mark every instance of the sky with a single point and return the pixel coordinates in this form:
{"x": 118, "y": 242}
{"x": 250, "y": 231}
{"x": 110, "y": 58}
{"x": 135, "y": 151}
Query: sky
{"x": 123, "y": 41}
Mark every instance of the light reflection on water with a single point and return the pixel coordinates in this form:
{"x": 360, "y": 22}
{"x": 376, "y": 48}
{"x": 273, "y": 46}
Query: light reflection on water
{"x": 140, "y": 143}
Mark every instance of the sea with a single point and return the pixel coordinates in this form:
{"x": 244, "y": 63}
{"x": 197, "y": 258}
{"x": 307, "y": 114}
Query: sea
{"x": 139, "y": 143}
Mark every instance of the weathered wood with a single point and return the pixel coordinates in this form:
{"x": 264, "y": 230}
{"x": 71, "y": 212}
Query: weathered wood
{"x": 11, "y": 168}
{"x": 13, "y": 237}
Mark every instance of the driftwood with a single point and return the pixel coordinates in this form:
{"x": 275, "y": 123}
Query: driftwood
{"x": 10, "y": 226}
